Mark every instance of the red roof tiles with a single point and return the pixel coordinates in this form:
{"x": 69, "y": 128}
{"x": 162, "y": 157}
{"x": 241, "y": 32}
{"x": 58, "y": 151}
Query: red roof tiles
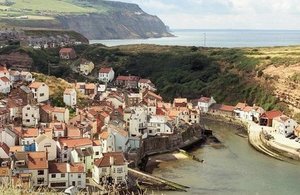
{"x": 117, "y": 159}
{"x": 105, "y": 70}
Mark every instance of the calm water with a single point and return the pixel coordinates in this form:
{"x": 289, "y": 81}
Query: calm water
{"x": 218, "y": 38}
{"x": 235, "y": 169}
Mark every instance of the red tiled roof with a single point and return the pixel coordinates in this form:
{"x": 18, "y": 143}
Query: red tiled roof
{"x": 59, "y": 110}
{"x": 96, "y": 143}
{"x": 204, "y": 99}
{"x": 31, "y": 132}
{"x": 3, "y": 69}
{"x": 104, "y": 135}
{"x": 71, "y": 143}
{"x": 144, "y": 81}
{"x": 240, "y": 105}
{"x": 271, "y": 114}
{"x": 5, "y": 79}
{"x": 105, "y": 70}
{"x": 47, "y": 108}
{"x": 73, "y": 132}
{"x": 247, "y": 109}
{"x": 5, "y": 147}
{"x": 57, "y": 167}
{"x": 118, "y": 159}
{"x": 128, "y": 78}
{"x": 37, "y": 160}
{"x": 35, "y": 85}
{"x": 77, "y": 168}
{"x": 66, "y": 50}
{"x": 226, "y": 108}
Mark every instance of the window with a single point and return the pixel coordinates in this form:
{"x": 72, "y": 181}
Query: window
{"x": 119, "y": 179}
{"x": 119, "y": 170}
{"x": 79, "y": 183}
{"x": 65, "y": 155}
{"x": 104, "y": 170}
{"x": 62, "y": 175}
{"x": 40, "y": 172}
{"x": 97, "y": 153}
{"x": 79, "y": 176}
{"x": 53, "y": 175}
{"x": 28, "y": 108}
{"x": 40, "y": 181}
{"x": 42, "y": 94}
{"x": 26, "y": 114}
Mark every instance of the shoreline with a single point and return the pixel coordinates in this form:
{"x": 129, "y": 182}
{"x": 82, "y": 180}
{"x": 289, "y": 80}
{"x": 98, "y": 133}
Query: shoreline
{"x": 259, "y": 142}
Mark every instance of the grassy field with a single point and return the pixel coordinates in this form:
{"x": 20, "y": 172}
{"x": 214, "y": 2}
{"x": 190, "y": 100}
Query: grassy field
{"x": 49, "y": 5}
{"x": 34, "y": 8}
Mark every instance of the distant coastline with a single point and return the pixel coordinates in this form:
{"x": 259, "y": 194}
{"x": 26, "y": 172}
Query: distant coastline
{"x": 230, "y": 38}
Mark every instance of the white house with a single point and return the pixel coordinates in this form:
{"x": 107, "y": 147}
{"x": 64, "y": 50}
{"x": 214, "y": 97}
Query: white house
{"x": 59, "y": 129}
{"x": 70, "y": 97}
{"x": 5, "y": 85}
{"x": 112, "y": 168}
{"x": 107, "y": 141}
{"x": 83, "y": 155}
{"x": 40, "y": 91}
{"x": 26, "y": 76}
{"x": 136, "y": 120}
{"x": 120, "y": 137}
{"x": 97, "y": 148}
{"x": 61, "y": 114}
{"x": 106, "y": 74}
{"x": 58, "y": 175}
{"x": 65, "y": 146}
{"x": 63, "y": 175}
{"x": 146, "y": 84}
{"x": 284, "y": 125}
{"x": 46, "y": 144}
{"x": 159, "y": 125}
{"x": 8, "y": 136}
{"x": 204, "y": 103}
{"x": 30, "y": 115}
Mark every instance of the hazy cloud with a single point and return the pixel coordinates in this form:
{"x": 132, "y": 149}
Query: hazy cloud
{"x": 229, "y": 14}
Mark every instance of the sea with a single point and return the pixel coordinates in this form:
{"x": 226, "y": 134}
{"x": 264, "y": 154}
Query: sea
{"x": 217, "y": 38}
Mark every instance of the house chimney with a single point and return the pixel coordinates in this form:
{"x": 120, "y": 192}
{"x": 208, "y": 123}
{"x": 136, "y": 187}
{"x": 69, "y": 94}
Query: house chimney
{"x": 111, "y": 160}
{"x": 47, "y": 154}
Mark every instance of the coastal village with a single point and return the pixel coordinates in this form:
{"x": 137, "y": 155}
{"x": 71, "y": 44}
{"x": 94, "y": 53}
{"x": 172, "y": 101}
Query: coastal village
{"x": 43, "y": 145}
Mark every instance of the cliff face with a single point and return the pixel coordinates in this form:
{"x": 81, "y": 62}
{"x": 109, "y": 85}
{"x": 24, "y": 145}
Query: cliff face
{"x": 124, "y": 20}
{"x": 116, "y": 25}
{"x": 119, "y": 21}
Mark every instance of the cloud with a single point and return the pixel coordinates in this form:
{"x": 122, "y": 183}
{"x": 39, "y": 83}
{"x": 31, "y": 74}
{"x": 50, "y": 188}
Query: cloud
{"x": 229, "y": 14}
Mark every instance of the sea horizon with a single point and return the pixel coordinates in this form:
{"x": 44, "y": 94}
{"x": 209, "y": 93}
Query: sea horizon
{"x": 228, "y": 38}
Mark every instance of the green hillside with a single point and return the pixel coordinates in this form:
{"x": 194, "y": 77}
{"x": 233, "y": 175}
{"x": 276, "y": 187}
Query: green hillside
{"x": 40, "y": 10}
{"x": 230, "y": 75}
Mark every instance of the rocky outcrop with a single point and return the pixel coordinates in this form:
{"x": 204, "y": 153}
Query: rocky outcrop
{"x": 116, "y": 25}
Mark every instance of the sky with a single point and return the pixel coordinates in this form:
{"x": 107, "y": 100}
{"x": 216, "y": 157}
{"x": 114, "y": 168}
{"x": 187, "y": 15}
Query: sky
{"x": 225, "y": 14}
